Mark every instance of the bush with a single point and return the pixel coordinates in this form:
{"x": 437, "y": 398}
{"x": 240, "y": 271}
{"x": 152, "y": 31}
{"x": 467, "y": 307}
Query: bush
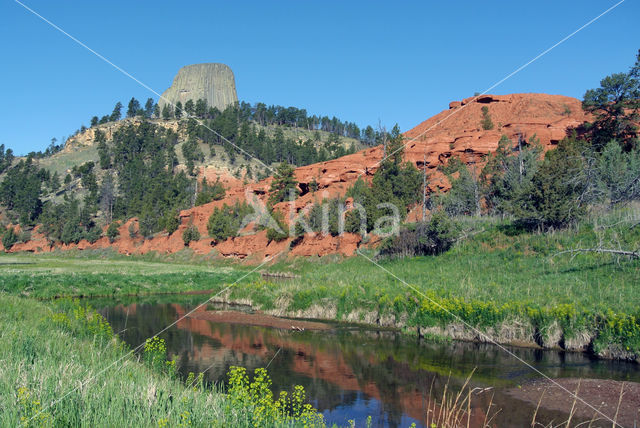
{"x": 209, "y": 193}
{"x": 24, "y": 236}
{"x": 559, "y": 190}
{"x": 112, "y": 231}
{"x": 132, "y": 230}
{"x": 93, "y": 234}
{"x": 226, "y": 222}
{"x": 278, "y": 231}
{"x": 464, "y": 197}
{"x": 431, "y": 238}
{"x": 171, "y": 221}
{"x": 316, "y": 218}
{"x": 486, "y": 123}
{"x": 191, "y": 233}
{"x": 9, "y": 238}
{"x": 255, "y": 394}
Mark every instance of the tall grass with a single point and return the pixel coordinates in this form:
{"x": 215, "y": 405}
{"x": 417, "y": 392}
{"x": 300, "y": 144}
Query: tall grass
{"x": 49, "y": 352}
{"x": 497, "y": 272}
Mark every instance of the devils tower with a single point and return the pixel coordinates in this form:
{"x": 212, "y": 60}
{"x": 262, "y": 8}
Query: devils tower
{"x": 213, "y": 82}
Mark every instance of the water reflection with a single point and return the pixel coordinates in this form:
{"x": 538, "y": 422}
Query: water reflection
{"x": 351, "y": 373}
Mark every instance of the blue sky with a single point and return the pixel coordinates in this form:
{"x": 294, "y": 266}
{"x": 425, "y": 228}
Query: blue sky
{"x": 397, "y": 62}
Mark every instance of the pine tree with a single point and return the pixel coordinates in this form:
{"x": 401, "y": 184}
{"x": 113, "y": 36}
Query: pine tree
{"x": 166, "y": 112}
{"x": 134, "y": 108}
{"x": 117, "y": 112}
{"x": 283, "y": 184}
{"x": 189, "y": 107}
{"x": 201, "y": 108}
{"x": 486, "y": 123}
{"x": 148, "y": 108}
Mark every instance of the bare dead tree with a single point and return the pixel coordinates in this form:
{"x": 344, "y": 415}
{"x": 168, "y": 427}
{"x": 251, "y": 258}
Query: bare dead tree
{"x": 633, "y": 254}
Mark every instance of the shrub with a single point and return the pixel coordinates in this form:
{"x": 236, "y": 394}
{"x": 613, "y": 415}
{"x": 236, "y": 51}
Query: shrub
{"x": 559, "y": 189}
{"x": 24, "y": 236}
{"x": 112, "y": 231}
{"x": 430, "y": 238}
{"x": 132, "y": 230}
{"x": 486, "y": 123}
{"x": 191, "y": 233}
{"x": 256, "y": 394}
{"x": 9, "y": 238}
{"x": 171, "y": 221}
{"x": 226, "y": 222}
{"x": 278, "y": 231}
{"x": 334, "y": 208}
{"x": 93, "y": 234}
{"x": 209, "y": 193}
{"x": 464, "y": 197}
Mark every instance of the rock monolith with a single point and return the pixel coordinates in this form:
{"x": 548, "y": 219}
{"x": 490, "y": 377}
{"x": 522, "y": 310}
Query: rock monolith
{"x": 213, "y": 82}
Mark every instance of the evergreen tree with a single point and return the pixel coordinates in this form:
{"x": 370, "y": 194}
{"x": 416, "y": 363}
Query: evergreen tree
{"x": 178, "y": 110}
{"x": 54, "y": 183}
{"x": 166, "y": 112}
{"x": 117, "y": 112}
{"x": 9, "y": 238}
{"x": 225, "y": 222}
{"x": 113, "y": 231}
{"x": 615, "y": 105}
{"x": 557, "y": 195}
{"x": 283, "y": 184}
{"x": 191, "y": 233}
{"x": 148, "y": 108}
{"x": 20, "y": 191}
{"x": 210, "y": 193}
{"x": 508, "y": 173}
{"x": 189, "y": 107}
{"x": 134, "y": 108}
{"x": 487, "y": 123}
{"x": 201, "y": 108}
{"x": 171, "y": 221}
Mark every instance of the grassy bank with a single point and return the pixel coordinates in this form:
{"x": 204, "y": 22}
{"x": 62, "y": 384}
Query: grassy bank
{"x": 48, "y": 350}
{"x": 512, "y": 285}
{"x": 106, "y": 273}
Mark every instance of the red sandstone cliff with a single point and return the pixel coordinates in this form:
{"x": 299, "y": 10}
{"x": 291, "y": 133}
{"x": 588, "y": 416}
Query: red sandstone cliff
{"x": 456, "y": 131}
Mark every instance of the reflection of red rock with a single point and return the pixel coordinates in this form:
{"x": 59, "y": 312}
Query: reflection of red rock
{"x": 453, "y": 132}
{"x": 309, "y": 361}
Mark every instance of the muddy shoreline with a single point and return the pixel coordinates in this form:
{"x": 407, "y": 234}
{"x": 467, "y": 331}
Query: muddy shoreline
{"x": 601, "y": 401}
{"x": 259, "y": 319}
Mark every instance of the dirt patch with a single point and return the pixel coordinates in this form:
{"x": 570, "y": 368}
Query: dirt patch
{"x": 262, "y": 320}
{"x": 603, "y": 395}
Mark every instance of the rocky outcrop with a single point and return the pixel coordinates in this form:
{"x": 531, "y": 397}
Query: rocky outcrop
{"x": 88, "y": 136}
{"x": 455, "y": 132}
{"x": 212, "y": 81}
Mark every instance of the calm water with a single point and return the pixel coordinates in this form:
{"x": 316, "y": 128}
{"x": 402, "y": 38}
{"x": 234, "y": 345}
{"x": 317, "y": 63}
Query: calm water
{"x": 351, "y": 372}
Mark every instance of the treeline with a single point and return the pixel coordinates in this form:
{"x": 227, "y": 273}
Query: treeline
{"x": 240, "y": 136}
{"x": 137, "y": 180}
{"x": 258, "y": 113}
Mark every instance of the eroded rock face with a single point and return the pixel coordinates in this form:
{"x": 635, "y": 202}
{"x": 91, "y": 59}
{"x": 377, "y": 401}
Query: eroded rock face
{"x": 212, "y": 81}
{"x": 455, "y": 132}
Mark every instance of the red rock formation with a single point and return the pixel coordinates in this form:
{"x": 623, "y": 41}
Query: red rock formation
{"x": 455, "y": 132}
